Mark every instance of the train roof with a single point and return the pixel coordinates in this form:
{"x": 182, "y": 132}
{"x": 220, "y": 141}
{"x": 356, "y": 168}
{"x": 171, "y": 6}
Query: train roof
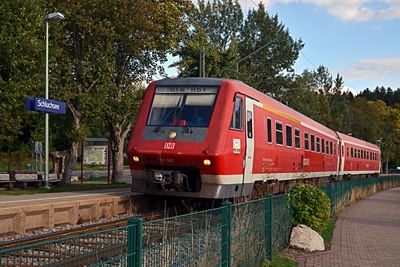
{"x": 355, "y": 141}
{"x": 264, "y": 99}
{"x": 193, "y": 81}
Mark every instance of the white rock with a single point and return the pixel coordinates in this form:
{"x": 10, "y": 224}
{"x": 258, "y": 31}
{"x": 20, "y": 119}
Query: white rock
{"x": 303, "y": 237}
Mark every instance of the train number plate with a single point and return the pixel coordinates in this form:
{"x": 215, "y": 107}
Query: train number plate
{"x": 169, "y": 145}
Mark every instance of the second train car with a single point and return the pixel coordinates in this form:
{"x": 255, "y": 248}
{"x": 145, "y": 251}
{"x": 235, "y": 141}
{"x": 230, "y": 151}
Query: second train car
{"x": 218, "y": 138}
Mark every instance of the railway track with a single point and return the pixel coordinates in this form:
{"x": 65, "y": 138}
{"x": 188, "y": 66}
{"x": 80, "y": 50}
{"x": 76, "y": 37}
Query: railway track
{"x": 76, "y": 247}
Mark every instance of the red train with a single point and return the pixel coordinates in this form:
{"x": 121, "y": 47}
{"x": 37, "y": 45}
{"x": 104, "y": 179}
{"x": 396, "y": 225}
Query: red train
{"x": 218, "y": 138}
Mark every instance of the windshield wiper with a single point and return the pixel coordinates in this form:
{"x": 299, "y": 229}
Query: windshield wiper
{"x": 157, "y": 130}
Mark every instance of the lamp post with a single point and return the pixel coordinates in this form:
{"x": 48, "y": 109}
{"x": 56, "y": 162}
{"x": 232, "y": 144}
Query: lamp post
{"x": 56, "y": 16}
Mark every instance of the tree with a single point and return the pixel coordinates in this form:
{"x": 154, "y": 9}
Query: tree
{"x": 269, "y": 69}
{"x": 390, "y": 134}
{"x": 21, "y": 70}
{"x": 215, "y": 27}
{"x": 303, "y": 96}
{"x": 107, "y": 48}
{"x": 368, "y": 119}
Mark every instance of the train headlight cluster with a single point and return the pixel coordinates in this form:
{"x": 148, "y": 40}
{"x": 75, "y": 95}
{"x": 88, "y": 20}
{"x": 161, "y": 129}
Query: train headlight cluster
{"x": 207, "y": 162}
{"x": 135, "y": 158}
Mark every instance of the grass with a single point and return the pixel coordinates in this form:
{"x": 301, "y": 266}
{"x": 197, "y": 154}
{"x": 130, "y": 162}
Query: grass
{"x": 327, "y": 232}
{"x": 27, "y": 159}
{"x": 280, "y": 261}
{"x": 75, "y": 187}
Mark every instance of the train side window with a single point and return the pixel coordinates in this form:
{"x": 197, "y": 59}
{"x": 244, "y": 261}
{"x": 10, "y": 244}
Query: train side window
{"x": 334, "y": 149}
{"x": 318, "y": 144}
{"x": 306, "y": 142}
{"x": 237, "y": 117}
{"x": 297, "y": 138}
{"x": 312, "y": 142}
{"x": 279, "y": 133}
{"x": 352, "y": 153}
{"x": 322, "y": 145}
{"x": 327, "y": 147}
{"x": 331, "y": 147}
{"x": 289, "y": 136}
{"x": 359, "y": 153}
{"x": 269, "y": 130}
{"x": 249, "y": 124}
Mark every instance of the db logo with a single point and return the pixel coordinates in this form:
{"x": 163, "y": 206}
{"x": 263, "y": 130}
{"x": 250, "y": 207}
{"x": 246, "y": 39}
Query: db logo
{"x": 168, "y": 145}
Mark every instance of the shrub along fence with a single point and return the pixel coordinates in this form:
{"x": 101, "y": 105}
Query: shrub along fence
{"x": 243, "y": 234}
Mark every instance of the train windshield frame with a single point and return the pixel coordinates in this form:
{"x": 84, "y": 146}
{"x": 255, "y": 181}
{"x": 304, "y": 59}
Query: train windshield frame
{"x": 182, "y": 106}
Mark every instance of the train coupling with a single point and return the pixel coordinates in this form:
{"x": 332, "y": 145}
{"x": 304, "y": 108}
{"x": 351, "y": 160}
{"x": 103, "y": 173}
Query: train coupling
{"x": 169, "y": 179}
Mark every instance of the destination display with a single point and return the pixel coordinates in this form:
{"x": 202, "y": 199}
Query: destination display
{"x": 187, "y": 89}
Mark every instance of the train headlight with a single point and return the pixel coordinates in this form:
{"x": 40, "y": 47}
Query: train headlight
{"x": 135, "y": 158}
{"x": 207, "y": 162}
{"x": 172, "y": 135}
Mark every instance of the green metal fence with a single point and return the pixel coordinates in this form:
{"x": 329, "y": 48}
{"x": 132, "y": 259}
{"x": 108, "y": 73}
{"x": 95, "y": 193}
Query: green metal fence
{"x": 243, "y": 234}
{"x": 340, "y": 193}
{"x": 233, "y": 235}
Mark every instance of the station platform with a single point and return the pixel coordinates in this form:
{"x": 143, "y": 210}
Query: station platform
{"x": 22, "y": 214}
{"x": 366, "y": 234}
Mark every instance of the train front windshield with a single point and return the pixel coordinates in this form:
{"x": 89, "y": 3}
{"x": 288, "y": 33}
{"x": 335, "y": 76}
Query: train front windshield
{"x": 182, "y": 106}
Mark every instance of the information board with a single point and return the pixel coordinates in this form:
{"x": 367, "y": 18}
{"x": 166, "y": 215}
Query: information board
{"x": 95, "y": 155}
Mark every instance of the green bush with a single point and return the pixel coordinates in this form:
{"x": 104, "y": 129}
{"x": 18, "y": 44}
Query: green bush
{"x": 311, "y": 206}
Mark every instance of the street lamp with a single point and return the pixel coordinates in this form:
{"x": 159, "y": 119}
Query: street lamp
{"x": 56, "y": 16}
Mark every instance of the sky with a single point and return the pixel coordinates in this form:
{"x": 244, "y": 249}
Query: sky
{"x": 359, "y": 39}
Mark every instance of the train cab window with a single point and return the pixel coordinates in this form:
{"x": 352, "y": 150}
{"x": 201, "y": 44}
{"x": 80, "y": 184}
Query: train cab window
{"x": 306, "y": 141}
{"x": 237, "y": 117}
{"x": 297, "y": 138}
{"x": 178, "y": 106}
{"x": 318, "y": 144}
{"x": 289, "y": 136}
{"x": 269, "y": 130}
{"x": 249, "y": 124}
{"x": 322, "y": 145}
{"x": 312, "y": 142}
{"x": 279, "y": 133}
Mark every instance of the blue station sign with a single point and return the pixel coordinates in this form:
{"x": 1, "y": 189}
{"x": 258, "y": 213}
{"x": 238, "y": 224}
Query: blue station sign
{"x": 45, "y": 105}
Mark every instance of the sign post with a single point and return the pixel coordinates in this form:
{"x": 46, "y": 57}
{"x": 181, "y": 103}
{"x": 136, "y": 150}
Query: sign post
{"x": 47, "y": 106}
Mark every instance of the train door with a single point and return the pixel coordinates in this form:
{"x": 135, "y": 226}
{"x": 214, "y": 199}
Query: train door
{"x": 249, "y": 156}
{"x": 342, "y": 156}
{"x": 340, "y": 166}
